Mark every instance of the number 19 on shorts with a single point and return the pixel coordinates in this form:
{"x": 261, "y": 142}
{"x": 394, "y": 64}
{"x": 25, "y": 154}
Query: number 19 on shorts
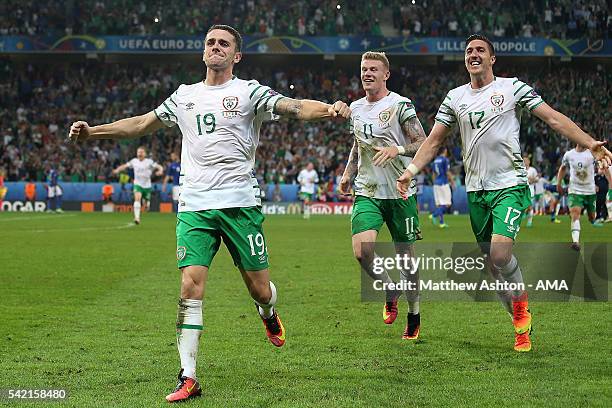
{"x": 257, "y": 244}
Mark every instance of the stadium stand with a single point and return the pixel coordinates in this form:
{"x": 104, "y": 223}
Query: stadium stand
{"x": 505, "y": 18}
{"x": 47, "y": 98}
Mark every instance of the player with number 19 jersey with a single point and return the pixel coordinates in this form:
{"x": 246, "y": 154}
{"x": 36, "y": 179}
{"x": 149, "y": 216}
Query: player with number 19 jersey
{"x": 220, "y": 127}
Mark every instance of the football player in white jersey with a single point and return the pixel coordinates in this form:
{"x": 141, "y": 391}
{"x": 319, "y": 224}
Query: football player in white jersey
{"x": 219, "y": 119}
{"x": 487, "y": 112}
{"x": 387, "y": 131}
{"x": 143, "y": 170}
{"x": 581, "y": 189}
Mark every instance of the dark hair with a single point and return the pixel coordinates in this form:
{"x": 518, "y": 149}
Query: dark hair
{"x": 482, "y": 38}
{"x": 231, "y": 30}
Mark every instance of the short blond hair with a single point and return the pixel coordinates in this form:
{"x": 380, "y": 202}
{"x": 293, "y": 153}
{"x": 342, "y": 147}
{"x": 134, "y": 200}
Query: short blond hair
{"x": 378, "y": 56}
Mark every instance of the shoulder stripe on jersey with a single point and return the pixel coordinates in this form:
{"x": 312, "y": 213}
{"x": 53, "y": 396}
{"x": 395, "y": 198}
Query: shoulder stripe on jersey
{"x": 526, "y": 93}
{"x": 518, "y": 90}
{"x": 536, "y": 105}
{"x": 515, "y": 81}
{"x": 443, "y": 122}
{"x": 169, "y": 110}
{"x": 448, "y": 97}
{"x": 264, "y": 104}
{"x": 171, "y": 100}
{"x": 254, "y": 90}
{"x": 407, "y": 119}
{"x": 446, "y": 106}
{"x": 264, "y": 93}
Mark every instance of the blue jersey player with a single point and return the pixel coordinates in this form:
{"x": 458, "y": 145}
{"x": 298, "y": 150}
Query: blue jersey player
{"x": 54, "y": 191}
{"x": 173, "y": 174}
{"x": 441, "y": 188}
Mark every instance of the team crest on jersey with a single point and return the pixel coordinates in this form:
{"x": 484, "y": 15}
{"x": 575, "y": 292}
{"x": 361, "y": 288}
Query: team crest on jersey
{"x": 180, "y": 253}
{"x": 384, "y": 116}
{"x": 497, "y": 100}
{"x": 230, "y": 103}
{"x": 189, "y": 106}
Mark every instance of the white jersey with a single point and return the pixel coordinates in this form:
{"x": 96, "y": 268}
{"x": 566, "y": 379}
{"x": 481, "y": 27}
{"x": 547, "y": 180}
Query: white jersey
{"x": 489, "y": 120}
{"x": 581, "y": 170}
{"x": 532, "y": 174}
{"x": 380, "y": 124}
{"x": 220, "y": 126}
{"x": 307, "y": 180}
{"x": 143, "y": 170}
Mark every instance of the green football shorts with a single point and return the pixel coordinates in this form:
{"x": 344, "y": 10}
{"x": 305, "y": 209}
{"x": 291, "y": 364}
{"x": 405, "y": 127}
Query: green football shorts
{"x": 308, "y": 197}
{"x": 401, "y": 217}
{"x": 146, "y": 192}
{"x": 498, "y": 211}
{"x": 583, "y": 201}
{"x": 199, "y": 235}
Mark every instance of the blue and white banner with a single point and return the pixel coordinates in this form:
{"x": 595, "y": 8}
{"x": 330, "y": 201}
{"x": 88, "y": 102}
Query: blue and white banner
{"x": 303, "y": 45}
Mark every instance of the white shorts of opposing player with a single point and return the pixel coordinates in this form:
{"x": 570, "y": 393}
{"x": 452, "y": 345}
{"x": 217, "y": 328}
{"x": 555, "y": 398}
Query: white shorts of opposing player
{"x": 442, "y": 195}
{"x": 54, "y": 191}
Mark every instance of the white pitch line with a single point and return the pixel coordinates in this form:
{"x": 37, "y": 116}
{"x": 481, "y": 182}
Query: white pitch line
{"x": 130, "y": 225}
{"x": 36, "y": 218}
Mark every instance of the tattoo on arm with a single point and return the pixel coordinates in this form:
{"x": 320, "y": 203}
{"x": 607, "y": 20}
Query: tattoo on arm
{"x": 353, "y": 161}
{"x": 288, "y": 106}
{"x": 414, "y": 133}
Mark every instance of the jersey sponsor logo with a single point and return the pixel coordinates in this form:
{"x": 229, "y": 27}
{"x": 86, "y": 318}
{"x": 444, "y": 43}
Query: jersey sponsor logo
{"x": 230, "y": 103}
{"x": 189, "y": 106}
{"x": 180, "y": 253}
{"x": 463, "y": 106}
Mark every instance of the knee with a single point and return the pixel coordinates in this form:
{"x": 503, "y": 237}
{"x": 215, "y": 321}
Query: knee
{"x": 500, "y": 258}
{"x": 362, "y": 255}
{"x": 190, "y": 288}
{"x": 260, "y": 292}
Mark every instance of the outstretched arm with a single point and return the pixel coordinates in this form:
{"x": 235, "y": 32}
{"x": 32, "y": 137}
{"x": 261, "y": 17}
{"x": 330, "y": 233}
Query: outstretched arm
{"x": 564, "y": 125}
{"x": 414, "y": 135}
{"x": 121, "y": 168}
{"x": 424, "y": 155}
{"x": 307, "y": 109}
{"x": 128, "y": 128}
{"x": 350, "y": 170}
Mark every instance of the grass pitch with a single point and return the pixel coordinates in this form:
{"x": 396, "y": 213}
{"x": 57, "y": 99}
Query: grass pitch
{"x": 88, "y": 304}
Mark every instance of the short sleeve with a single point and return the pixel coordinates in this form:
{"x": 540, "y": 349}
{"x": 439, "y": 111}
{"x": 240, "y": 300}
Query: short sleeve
{"x": 565, "y": 160}
{"x": 263, "y": 99}
{"x": 406, "y": 111}
{"x": 446, "y": 115}
{"x": 166, "y": 112}
{"x": 130, "y": 164}
{"x": 525, "y": 95}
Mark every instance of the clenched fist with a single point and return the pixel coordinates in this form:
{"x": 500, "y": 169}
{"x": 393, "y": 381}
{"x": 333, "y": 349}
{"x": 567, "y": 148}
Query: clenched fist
{"x": 79, "y": 132}
{"x": 339, "y": 110}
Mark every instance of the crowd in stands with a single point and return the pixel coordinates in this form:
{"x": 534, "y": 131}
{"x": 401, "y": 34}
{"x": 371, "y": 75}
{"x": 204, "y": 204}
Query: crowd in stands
{"x": 497, "y": 18}
{"x": 42, "y": 100}
{"x": 504, "y": 18}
